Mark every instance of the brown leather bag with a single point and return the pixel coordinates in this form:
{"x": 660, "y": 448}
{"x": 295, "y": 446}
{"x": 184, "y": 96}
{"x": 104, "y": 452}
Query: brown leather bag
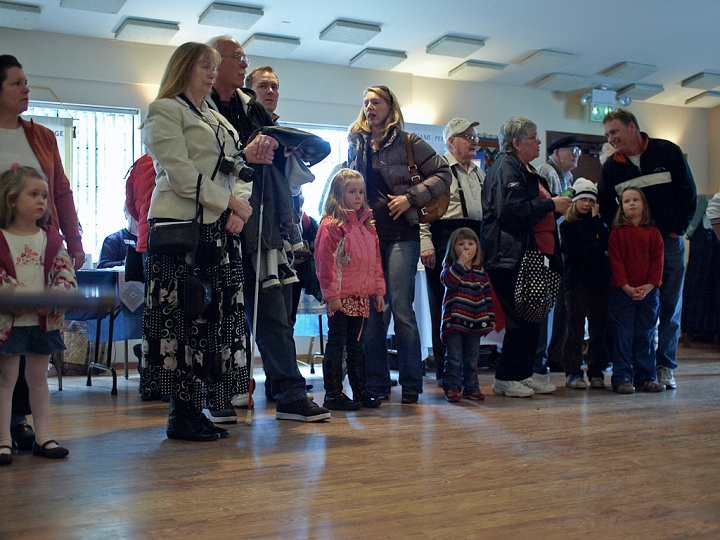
{"x": 436, "y": 208}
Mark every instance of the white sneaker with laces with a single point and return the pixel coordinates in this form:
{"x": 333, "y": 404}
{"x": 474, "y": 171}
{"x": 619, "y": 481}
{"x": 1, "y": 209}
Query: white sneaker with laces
{"x": 511, "y": 389}
{"x": 538, "y": 385}
{"x": 240, "y": 400}
{"x": 665, "y": 376}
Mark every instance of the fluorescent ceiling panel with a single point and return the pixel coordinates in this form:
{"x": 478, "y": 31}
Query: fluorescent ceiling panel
{"x": 158, "y": 33}
{"x": 560, "y": 82}
{"x": 272, "y": 46}
{"x": 100, "y": 6}
{"x": 711, "y": 98}
{"x": 629, "y": 71}
{"x": 350, "y": 32}
{"x": 378, "y": 59}
{"x": 546, "y": 60}
{"x": 474, "y": 70}
{"x": 703, "y": 81}
{"x": 459, "y": 47}
{"x": 230, "y": 16}
{"x": 640, "y": 92}
{"x": 18, "y": 16}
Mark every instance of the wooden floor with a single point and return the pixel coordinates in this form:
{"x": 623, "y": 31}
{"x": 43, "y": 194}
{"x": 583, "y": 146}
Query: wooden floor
{"x": 576, "y": 464}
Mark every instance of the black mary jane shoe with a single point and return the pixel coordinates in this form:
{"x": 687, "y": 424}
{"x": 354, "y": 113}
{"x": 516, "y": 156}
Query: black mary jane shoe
{"x": 58, "y": 452}
{"x": 6, "y": 458}
{"x": 23, "y": 436}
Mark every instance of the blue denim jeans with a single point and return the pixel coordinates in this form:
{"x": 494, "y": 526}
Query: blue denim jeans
{"x": 461, "y": 353}
{"x": 631, "y": 325}
{"x": 671, "y": 301}
{"x": 274, "y": 338}
{"x": 399, "y": 260}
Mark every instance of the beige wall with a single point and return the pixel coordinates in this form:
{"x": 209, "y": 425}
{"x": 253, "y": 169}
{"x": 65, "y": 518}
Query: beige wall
{"x": 116, "y": 73}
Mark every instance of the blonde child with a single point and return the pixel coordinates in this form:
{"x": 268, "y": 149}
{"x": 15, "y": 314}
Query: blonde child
{"x": 587, "y": 280}
{"x": 349, "y": 269}
{"x": 636, "y": 259}
{"x": 32, "y": 259}
{"x": 467, "y": 314}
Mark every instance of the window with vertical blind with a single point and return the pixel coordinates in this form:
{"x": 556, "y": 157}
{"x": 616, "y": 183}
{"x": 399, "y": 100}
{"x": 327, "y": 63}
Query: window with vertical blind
{"x": 106, "y": 143}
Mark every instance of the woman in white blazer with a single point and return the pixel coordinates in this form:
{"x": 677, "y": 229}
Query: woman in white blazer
{"x": 198, "y": 361}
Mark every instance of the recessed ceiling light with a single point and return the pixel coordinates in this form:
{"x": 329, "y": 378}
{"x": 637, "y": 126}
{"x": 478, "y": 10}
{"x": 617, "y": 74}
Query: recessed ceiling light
{"x": 158, "y": 33}
{"x": 640, "y": 92}
{"x": 230, "y": 16}
{"x": 475, "y": 70}
{"x": 460, "y": 47}
{"x": 546, "y": 60}
{"x": 18, "y": 16}
{"x": 272, "y": 46}
{"x": 704, "y": 81}
{"x": 629, "y": 71}
{"x": 378, "y": 59}
{"x": 710, "y": 98}
{"x": 99, "y": 6}
{"x": 350, "y": 32}
{"x": 560, "y": 82}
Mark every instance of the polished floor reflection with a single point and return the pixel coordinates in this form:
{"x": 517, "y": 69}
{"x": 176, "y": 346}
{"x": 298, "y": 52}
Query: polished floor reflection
{"x": 574, "y": 464}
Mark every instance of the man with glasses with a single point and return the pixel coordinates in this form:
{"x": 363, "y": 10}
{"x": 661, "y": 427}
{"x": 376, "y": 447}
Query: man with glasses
{"x": 274, "y": 333}
{"x": 563, "y": 155}
{"x": 465, "y": 210}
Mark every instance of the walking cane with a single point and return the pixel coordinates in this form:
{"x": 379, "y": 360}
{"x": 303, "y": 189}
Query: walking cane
{"x": 248, "y": 419}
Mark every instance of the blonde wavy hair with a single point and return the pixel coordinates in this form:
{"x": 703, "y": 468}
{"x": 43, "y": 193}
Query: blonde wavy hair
{"x": 394, "y": 118}
{"x": 12, "y": 183}
{"x": 334, "y": 205}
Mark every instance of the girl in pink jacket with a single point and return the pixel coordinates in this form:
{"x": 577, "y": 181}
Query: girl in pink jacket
{"x": 349, "y": 268}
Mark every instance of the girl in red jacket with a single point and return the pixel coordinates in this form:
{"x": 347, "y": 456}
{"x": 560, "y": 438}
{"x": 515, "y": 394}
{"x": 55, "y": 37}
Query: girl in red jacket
{"x": 32, "y": 259}
{"x": 349, "y": 268}
{"x": 636, "y": 259}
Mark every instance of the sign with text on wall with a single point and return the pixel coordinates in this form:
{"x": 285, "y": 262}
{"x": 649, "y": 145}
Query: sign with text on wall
{"x": 63, "y": 130}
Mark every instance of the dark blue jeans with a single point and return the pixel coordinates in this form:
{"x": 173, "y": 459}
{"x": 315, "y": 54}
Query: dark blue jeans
{"x": 671, "y": 301}
{"x": 274, "y": 338}
{"x": 399, "y": 260}
{"x": 461, "y": 355}
{"x": 631, "y": 326}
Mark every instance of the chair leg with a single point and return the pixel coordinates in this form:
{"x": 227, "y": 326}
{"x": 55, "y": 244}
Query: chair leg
{"x": 58, "y": 359}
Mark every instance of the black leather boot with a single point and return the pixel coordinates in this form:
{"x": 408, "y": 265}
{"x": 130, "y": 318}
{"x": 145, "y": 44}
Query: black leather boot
{"x": 334, "y": 398}
{"x": 184, "y": 424}
{"x": 356, "y": 374}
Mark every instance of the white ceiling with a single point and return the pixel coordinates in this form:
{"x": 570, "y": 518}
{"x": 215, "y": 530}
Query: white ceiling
{"x": 680, "y": 38}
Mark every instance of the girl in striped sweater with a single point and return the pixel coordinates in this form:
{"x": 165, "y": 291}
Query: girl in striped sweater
{"x": 467, "y": 314}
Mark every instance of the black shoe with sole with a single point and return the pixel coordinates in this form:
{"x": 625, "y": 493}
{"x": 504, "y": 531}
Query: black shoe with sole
{"x": 409, "y": 399}
{"x": 302, "y": 410}
{"x": 23, "y": 436}
{"x": 341, "y": 403}
{"x": 6, "y": 458}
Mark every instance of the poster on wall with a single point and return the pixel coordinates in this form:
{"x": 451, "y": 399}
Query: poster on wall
{"x": 63, "y": 129}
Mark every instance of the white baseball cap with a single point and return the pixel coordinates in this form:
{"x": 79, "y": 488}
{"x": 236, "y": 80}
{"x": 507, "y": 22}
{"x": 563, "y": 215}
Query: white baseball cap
{"x": 455, "y": 126}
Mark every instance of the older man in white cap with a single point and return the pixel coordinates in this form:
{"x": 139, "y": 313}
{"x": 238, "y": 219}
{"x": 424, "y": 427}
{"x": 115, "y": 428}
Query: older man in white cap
{"x": 465, "y": 210}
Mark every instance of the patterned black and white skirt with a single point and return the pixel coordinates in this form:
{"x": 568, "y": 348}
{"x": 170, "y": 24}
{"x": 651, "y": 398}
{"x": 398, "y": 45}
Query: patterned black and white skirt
{"x": 201, "y": 359}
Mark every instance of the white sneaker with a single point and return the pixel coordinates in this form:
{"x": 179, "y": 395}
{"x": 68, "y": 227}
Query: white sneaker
{"x": 240, "y": 400}
{"x": 665, "y": 376}
{"x": 511, "y": 389}
{"x": 538, "y": 385}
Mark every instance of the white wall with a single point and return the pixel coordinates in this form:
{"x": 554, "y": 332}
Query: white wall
{"x": 116, "y": 73}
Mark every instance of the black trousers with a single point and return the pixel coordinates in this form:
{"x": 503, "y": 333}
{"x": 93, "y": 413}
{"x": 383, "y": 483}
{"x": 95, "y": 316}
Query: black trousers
{"x": 521, "y": 337}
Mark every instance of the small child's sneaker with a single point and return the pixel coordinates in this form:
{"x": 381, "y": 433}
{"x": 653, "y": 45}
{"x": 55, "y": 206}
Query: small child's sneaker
{"x": 453, "y": 396}
{"x": 597, "y": 383}
{"x": 625, "y": 388}
{"x": 475, "y": 396}
{"x": 652, "y": 386}
{"x": 576, "y": 381}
